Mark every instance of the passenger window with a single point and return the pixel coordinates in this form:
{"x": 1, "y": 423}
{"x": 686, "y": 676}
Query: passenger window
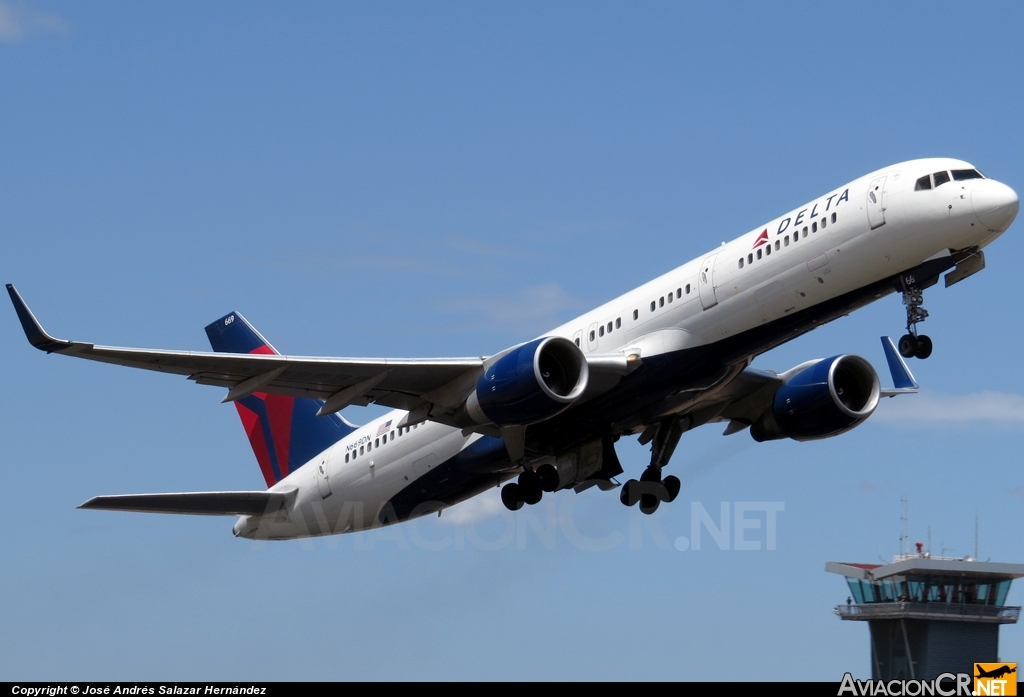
{"x": 823, "y": 222}
{"x": 679, "y": 293}
{"x": 767, "y": 249}
{"x": 661, "y": 301}
{"x": 653, "y": 305}
{"x": 361, "y": 449}
{"x": 750, "y": 258}
{"x": 962, "y": 174}
{"x": 591, "y": 334}
{"x": 833, "y": 217}
{"x": 741, "y": 262}
{"x": 777, "y": 245}
{"x": 392, "y": 435}
{"x": 941, "y": 178}
{"x": 687, "y": 288}
{"x": 600, "y": 330}
{"x": 670, "y": 296}
{"x": 618, "y": 322}
{"x": 636, "y": 314}
{"x": 369, "y": 446}
{"x": 923, "y": 183}
{"x": 814, "y": 226}
{"x": 805, "y": 231}
{"x": 759, "y": 252}
{"x": 785, "y": 240}
{"x": 577, "y": 340}
{"x": 346, "y": 457}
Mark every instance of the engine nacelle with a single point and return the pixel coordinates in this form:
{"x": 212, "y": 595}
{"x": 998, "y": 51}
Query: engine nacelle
{"x": 529, "y": 384}
{"x": 823, "y": 400}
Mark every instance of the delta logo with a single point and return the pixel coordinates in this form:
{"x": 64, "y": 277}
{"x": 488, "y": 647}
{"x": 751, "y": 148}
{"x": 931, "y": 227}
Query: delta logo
{"x": 995, "y": 679}
{"x": 761, "y": 239}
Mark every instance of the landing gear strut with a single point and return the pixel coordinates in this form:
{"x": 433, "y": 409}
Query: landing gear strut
{"x": 913, "y": 344}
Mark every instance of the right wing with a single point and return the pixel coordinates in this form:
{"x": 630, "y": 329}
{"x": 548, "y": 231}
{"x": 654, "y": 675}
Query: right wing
{"x": 427, "y": 387}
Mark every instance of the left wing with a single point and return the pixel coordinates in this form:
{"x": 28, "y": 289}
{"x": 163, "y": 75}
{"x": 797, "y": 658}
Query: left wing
{"x": 752, "y": 392}
{"x": 426, "y": 387}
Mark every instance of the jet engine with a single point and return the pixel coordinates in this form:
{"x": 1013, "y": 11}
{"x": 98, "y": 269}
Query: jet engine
{"x": 529, "y": 384}
{"x": 822, "y": 400}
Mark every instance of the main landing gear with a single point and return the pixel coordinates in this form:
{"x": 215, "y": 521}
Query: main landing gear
{"x": 913, "y": 344}
{"x": 530, "y": 488}
{"x": 651, "y": 491}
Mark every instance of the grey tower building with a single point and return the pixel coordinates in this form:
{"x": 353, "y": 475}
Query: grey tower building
{"x": 929, "y": 615}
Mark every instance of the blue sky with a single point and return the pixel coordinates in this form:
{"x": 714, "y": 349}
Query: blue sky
{"x": 427, "y": 179}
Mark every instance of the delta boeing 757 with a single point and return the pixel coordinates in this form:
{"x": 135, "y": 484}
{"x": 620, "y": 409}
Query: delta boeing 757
{"x": 664, "y": 358}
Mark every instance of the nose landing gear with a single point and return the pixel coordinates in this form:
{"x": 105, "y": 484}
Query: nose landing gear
{"x": 912, "y": 344}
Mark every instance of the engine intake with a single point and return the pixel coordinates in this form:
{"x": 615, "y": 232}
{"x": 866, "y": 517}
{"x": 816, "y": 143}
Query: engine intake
{"x": 529, "y": 384}
{"x": 823, "y": 400}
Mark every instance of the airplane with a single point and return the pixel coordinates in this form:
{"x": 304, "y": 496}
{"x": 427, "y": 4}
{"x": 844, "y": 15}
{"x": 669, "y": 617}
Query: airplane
{"x": 664, "y": 358}
{"x": 995, "y": 672}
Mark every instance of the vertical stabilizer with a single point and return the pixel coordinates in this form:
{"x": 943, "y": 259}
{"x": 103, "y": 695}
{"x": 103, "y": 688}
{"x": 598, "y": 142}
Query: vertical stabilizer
{"x": 285, "y": 432}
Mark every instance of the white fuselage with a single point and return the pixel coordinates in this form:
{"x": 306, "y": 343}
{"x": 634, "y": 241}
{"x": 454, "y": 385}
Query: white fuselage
{"x": 870, "y": 229}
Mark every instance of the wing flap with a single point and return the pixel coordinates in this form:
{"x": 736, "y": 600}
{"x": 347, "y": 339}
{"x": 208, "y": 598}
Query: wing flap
{"x": 195, "y": 503}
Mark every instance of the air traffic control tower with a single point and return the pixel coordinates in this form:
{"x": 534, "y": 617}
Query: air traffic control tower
{"x": 929, "y": 615}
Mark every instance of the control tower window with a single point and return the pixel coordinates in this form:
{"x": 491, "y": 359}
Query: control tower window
{"x": 961, "y": 174}
{"x": 923, "y": 183}
{"x": 941, "y": 178}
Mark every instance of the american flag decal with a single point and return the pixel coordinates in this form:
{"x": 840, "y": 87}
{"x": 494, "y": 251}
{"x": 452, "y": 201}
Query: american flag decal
{"x": 383, "y": 428}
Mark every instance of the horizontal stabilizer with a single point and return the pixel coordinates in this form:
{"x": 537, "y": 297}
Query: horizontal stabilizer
{"x": 196, "y": 503}
{"x": 902, "y": 379}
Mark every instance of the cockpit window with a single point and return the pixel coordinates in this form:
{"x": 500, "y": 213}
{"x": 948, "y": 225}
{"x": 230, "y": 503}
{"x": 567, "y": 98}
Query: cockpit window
{"x": 923, "y": 183}
{"x": 941, "y": 178}
{"x": 961, "y": 174}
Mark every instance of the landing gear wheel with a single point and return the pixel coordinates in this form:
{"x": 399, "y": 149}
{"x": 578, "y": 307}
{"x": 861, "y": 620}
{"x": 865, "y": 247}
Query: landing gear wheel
{"x": 548, "y": 478}
{"x": 673, "y": 485}
{"x": 924, "y": 347}
{"x": 649, "y": 504}
{"x": 510, "y": 497}
{"x": 909, "y": 345}
{"x": 630, "y": 494}
{"x": 529, "y": 487}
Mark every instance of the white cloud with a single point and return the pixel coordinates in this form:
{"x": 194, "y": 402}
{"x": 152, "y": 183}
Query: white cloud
{"x": 475, "y": 510}
{"x": 18, "y": 22}
{"x": 930, "y": 409}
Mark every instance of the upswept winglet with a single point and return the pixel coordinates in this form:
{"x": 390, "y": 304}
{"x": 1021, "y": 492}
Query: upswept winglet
{"x": 34, "y": 331}
{"x": 902, "y": 379}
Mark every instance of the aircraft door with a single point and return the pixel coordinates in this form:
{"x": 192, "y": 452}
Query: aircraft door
{"x": 706, "y": 282}
{"x": 323, "y": 482}
{"x": 876, "y": 204}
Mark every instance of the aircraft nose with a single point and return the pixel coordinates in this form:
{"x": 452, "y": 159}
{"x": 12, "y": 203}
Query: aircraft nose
{"x": 995, "y": 204}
